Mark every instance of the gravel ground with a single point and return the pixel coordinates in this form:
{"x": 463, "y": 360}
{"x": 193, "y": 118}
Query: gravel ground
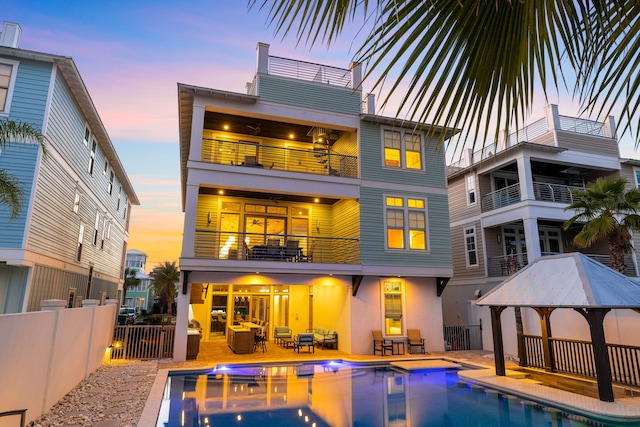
{"x": 113, "y": 396}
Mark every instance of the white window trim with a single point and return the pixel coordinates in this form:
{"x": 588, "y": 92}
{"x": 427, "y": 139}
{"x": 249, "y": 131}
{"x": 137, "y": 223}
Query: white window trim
{"x": 475, "y": 241}
{"x": 403, "y": 293}
{"x": 403, "y": 149}
{"x": 406, "y": 210}
{"x": 469, "y": 190}
{"x": 12, "y": 85}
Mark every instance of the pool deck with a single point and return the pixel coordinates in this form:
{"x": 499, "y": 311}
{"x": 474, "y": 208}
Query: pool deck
{"x": 516, "y": 382}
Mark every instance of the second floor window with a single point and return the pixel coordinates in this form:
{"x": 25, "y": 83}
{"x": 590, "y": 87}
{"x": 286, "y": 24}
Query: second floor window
{"x": 406, "y": 223}
{"x": 470, "y": 246}
{"x": 402, "y": 150}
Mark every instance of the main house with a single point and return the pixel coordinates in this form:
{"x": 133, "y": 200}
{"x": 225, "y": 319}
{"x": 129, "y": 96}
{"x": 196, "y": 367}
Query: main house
{"x": 507, "y": 202}
{"x": 69, "y": 240}
{"x": 303, "y": 208}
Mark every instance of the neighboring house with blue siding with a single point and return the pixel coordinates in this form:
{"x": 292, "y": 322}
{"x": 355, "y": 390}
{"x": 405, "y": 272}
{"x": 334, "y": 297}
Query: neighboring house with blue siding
{"x": 69, "y": 240}
{"x": 304, "y": 209}
{"x": 140, "y": 297}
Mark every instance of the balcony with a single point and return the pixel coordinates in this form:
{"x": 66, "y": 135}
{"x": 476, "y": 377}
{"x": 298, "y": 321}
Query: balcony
{"x": 239, "y": 246}
{"x": 319, "y": 161}
{"x": 502, "y": 266}
{"x": 542, "y": 191}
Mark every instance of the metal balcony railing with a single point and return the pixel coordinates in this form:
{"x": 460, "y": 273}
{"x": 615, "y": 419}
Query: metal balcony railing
{"x": 309, "y": 71}
{"x": 239, "y": 246}
{"x": 271, "y": 157}
{"x": 500, "y": 198}
{"x": 555, "y": 192}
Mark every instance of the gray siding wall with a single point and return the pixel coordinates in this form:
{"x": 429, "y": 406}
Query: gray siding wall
{"x": 371, "y": 163}
{"x": 309, "y": 94}
{"x": 458, "y": 247}
{"x": 587, "y": 143}
{"x": 372, "y": 246}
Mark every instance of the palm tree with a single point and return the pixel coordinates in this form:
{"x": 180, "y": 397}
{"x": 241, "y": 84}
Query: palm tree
{"x": 609, "y": 211}
{"x": 476, "y": 65}
{"x": 10, "y": 192}
{"x": 163, "y": 282}
{"x": 130, "y": 281}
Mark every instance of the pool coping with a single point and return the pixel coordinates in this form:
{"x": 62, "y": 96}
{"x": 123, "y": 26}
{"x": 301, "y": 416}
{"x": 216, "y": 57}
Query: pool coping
{"x": 622, "y": 410}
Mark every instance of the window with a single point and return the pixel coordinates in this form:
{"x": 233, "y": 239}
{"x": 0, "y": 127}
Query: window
{"x": 95, "y": 228}
{"x": 470, "y": 246}
{"x": 92, "y": 158}
{"x": 110, "y": 186}
{"x": 406, "y": 223}
{"x": 7, "y": 80}
{"x": 87, "y": 136}
{"x": 402, "y": 150}
{"x": 470, "y": 182}
{"x": 393, "y": 304}
{"x": 80, "y": 238}
{"x": 76, "y": 202}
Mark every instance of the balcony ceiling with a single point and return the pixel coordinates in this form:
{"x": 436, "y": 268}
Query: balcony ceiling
{"x": 269, "y": 197}
{"x": 257, "y": 127}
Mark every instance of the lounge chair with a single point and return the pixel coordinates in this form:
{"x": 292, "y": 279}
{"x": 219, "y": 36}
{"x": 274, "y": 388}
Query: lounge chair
{"x": 415, "y": 340}
{"x": 281, "y": 332}
{"x": 380, "y": 344}
{"x": 302, "y": 340}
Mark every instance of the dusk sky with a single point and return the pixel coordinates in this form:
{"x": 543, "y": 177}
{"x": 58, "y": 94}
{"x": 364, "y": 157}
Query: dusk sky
{"x": 132, "y": 54}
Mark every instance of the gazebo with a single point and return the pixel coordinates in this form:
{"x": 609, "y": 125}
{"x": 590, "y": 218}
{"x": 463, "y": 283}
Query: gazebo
{"x": 572, "y": 281}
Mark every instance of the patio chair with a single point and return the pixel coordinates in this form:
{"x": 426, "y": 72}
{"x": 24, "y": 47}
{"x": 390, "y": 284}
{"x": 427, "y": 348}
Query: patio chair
{"x": 280, "y": 333}
{"x": 380, "y": 344}
{"x": 415, "y": 340}
{"x": 302, "y": 340}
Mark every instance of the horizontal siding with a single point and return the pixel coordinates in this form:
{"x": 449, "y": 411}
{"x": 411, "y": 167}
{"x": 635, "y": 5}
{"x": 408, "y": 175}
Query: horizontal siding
{"x": 30, "y": 92}
{"x": 588, "y": 143}
{"x": 18, "y": 160}
{"x": 458, "y": 208}
{"x": 372, "y": 231}
{"x": 458, "y": 247}
{"x": 371, "y": 161}
{"x": 304, "y": 94}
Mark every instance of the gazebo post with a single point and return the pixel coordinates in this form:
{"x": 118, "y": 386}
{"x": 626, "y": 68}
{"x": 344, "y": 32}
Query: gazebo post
{"x": 595, "y": 317}
{"x": 545, "y": 327}
{"x": 498, "y": 345}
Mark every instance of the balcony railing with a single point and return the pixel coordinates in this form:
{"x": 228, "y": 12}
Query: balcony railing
{"x": 500, "y": 198}
{"x": 319, "y": 162}
{"x": 238, "y": 246}
{"x": 309, "y": 71}
{"x": 504, "y": 265}
{"x": 555, "y": 192}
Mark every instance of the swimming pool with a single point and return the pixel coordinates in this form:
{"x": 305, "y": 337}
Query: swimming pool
{"x": 343, "y": 394}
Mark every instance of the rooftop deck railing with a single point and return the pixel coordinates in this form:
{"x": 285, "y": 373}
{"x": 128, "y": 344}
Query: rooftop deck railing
{"x": 239, "y": 246}
{"x": 500, "y": 198}
{"x": 239, "y": 153}
{"x": 309, "y": 71}
{"x": 531, "y": 132}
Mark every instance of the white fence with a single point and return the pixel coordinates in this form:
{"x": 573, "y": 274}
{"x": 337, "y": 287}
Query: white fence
{"x": 45, "y": 354}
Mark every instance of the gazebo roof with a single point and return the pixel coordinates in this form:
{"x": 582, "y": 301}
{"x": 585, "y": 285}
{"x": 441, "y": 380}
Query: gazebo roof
{"x": 566, "y": 280}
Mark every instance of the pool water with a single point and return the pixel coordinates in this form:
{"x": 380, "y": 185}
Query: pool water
{"x": 342, "y": 394}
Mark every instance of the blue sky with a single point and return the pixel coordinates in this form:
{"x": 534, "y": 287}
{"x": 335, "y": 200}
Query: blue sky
{"x": 132, "y": 54}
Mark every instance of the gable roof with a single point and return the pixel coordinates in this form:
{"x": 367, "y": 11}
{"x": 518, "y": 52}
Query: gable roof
{"x": 565, "y": 280}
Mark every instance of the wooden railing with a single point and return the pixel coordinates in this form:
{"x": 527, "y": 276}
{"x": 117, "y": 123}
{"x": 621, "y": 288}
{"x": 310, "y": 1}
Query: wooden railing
{"x": 576, "y": 358}
{"x": 468, "y": 337}
{"x": 142, "y": 342}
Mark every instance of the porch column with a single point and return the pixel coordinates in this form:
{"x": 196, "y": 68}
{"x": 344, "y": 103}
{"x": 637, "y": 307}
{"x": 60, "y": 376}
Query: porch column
{"x": 498, "y": 345}
{"x": 545, "y": 326}
{"x": 532, "y": 239}
{"x": 525, "y": 178}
